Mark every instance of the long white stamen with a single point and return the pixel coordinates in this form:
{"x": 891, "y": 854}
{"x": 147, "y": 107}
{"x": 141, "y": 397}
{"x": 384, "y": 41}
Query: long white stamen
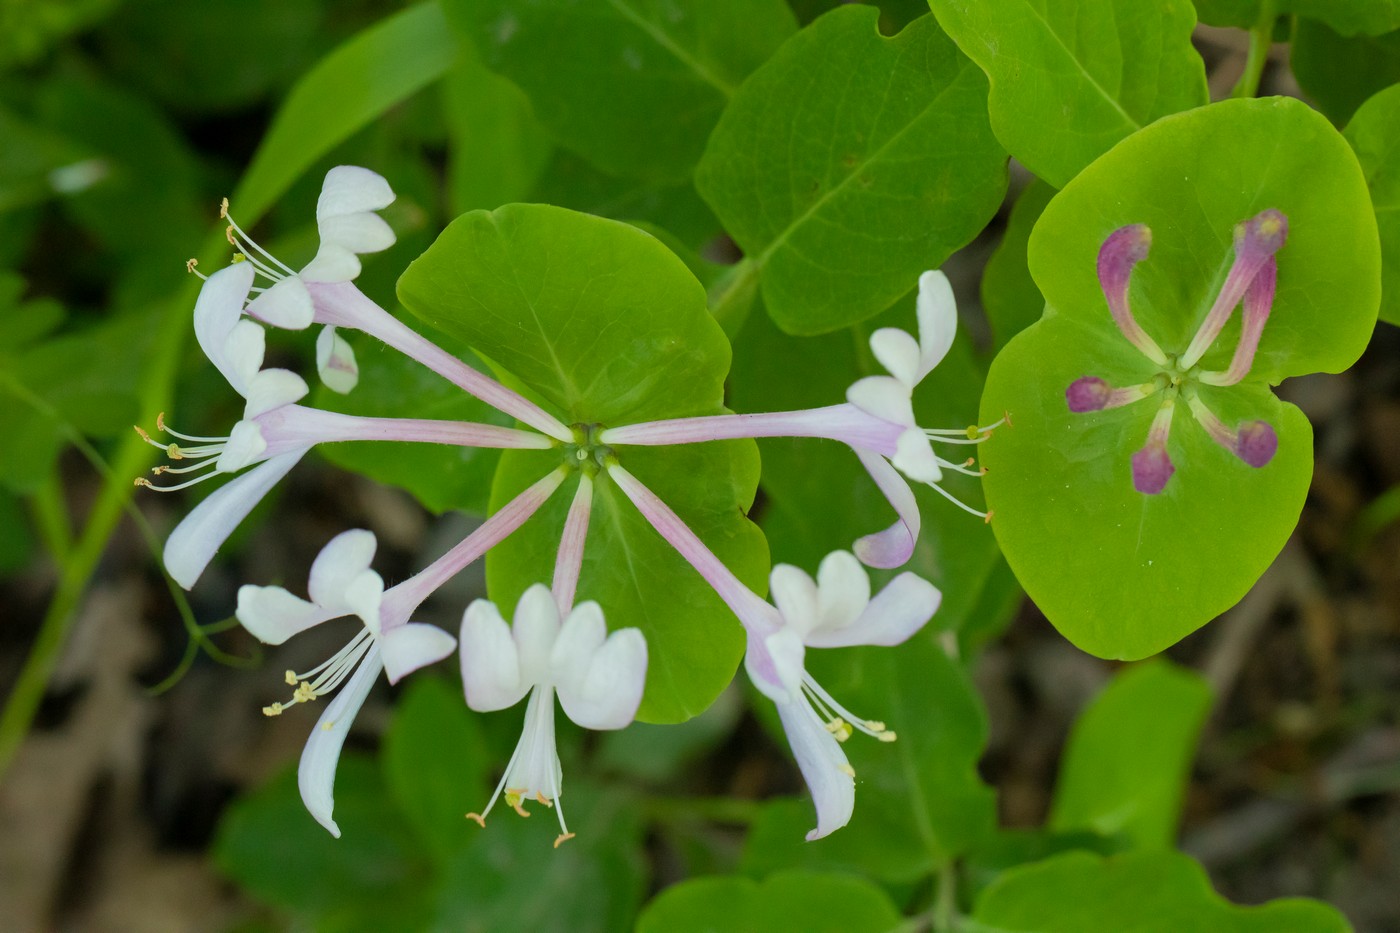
{"x": 827, "y": 704}
{"x": 251, "y": 242}
{"x": 142, "y": 481}
{"x": 985, "y": 516}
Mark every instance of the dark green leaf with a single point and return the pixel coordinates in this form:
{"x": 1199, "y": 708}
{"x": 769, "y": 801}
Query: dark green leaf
{"x": 1375, "y": 135}
{"x": 1009, "y": 294}
{"x": 1340, "y": 73}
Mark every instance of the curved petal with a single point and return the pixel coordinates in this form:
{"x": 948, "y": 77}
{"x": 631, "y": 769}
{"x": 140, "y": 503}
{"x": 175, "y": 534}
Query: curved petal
{"x": 580, "y": 637}
{"x": 823, "y": 765}
{"x": 195, "y": 541}
{"x": 897, "y": 352}
{"x": 895, "y": 545}
{"x": 273, "y": 388}
{"x": 349, "y": 189}
{"x": 316, "y": 772}
{"x": 359, "y": 233}
{"x": 914, "y": 457}
{"x": 490, "y": 661}
{"x": 332, "y": 263}
{"x": 534, "y": 767}
{"x": 884, "y": 397}
{"x": 216, "y": 313}
{"x": 608, "y": 694}
{"x": 406, "y": 648}
{"x": 938, "y": 320}
{"x": 795, "y": 595}
{"x": 245, "y": 447}
{"x": 843, "y": 590}
{"x": 273, "y": 615}
{"x": 775, "y": 665}
{"x": 244, "y": 348}
{"x": 899, "y": 610}
{"x": 335, "y": 361}
{"x": 286, "y": 304}
{"x": 344, "y": 558}
{"x": 535, "y": 628}
{"x": 364, "y": 596}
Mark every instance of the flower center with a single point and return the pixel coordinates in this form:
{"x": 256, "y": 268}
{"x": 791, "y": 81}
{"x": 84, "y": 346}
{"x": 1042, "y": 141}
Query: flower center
{"x": 587, "y": 452}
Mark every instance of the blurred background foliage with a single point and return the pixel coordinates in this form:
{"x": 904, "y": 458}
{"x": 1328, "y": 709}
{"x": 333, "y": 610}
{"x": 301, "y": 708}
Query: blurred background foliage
{"x": 123, "y": 122}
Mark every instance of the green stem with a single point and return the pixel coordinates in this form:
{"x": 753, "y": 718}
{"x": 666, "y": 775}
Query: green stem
{"x": 945, "y": 905}
{"x": 51, "y": 518}
{"x": 1261, "y": 39}
{"x": 733, "y": 296}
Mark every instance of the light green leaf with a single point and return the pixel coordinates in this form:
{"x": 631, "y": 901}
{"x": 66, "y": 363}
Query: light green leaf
{"x": 1129, "y": 756}
{"x": 1009, "y": 294}
{"x": 1060, "y": 482}
{"x": 634, "y": 86}
{"x": 606, "y": 326}
{"x": 793, "y": 900}
{"x": 1145, "y": 892}
{"x": 392, "y": 385}
{"x": 1072, "y": 77}
{"x": 1340, "y": 73}
{"x": 1375, "y": 135}
{"x": 850, "y": 163}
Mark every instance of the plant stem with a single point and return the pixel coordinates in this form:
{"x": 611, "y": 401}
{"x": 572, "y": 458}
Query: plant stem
{"x": 733, "y": 296}
{"x": 1261, "y": 38}
{"x": 51, "y": 518}
{"x": 945, "y": 905}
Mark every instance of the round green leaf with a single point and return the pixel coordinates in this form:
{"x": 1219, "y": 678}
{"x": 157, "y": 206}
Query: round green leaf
{"x": 1072, "y": 77}
{"x": 1123, "y": 574}
{"x": 792, "y": 900}
{"x": 1146, "y": 892}
{"x": 1375, "y": 135}
{"x": 604, "y": 325}
{"x": 850, "y": 163}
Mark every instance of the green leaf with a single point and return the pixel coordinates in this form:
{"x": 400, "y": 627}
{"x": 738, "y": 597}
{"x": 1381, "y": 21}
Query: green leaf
{"x": 512, "y": 878}
{"x": 434, "y": 763}
{"x": 851, "y": 162}
{"x": 1060, "y": 482}
{"x": 392, "y": 385}
{"x": 1009, "y": 294}
{"x": 1146, "y": 892}
{"x": 271, "y": 846}
{"x": 1070, "y": 78}
{"x": 919, "y": 800}
{"x": 606, "y": 326}
{"x": 1375, "y": 135}
{"x": 604, "y": 76}
{"x": 347, "y": 89}
{"x": 1340, "y": 73}
{"x": 791, "y": 900}
{"x": 1129, "y": 756}
{"x": 1349, "y": 17}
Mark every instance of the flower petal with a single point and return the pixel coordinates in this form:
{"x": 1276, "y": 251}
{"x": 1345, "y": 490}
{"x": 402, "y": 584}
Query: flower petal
{"x": 775, "y": 664}
{"x": 331, "y": 263}
{"x": 843, "y": 590}
{"x": 335, "y": 361}
{"x": 795, "y": 595}
{"x": 610, "y": 690}
{"x": 823, "y": 765}
{"x": 271, "y": 389}
{"x": 914, "y": 457}
{"x": 580, "y": 636}
{"x": 217, "y": 312}
{"x": 245, "y": 447}
{"x": 244, "y": 348}
{"x": 350, "y": 189}
{"x": 898, "y": 611}
{"x": 286, "y": 304}
{"x": 273, "y": 615}
{"x": 895, "y": 545}
{"x": 938, "y": 320}
{"x": 197, "y": 538}
{"x": 490, "y": 661}
{"x": 316, "y": 772}
{"x": 364, "y": 595}
{"x": 897, "y": 352}
{"x": 344, "y": 558}
{"x": 885, "y": 397}
{"x": 535, "y": 627}
{"x": 408, "y": 647}
{"x": 359, "y": 233}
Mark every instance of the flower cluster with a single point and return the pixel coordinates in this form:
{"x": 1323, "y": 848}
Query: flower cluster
{"x": 553, "y": 647}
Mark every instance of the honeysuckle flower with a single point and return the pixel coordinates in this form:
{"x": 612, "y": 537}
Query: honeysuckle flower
{"x": 598, "y": 678}
{"x": 1251, "y": 280}
{"x": 877, "y": 422}
{"x": 274, "y": 431}
{"x": 324, "y": 292}
{"x": 342, "y": 584}
{"x": 833, "y": 611}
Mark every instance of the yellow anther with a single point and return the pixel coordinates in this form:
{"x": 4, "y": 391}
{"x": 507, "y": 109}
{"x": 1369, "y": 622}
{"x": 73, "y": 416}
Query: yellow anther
{"x": 160, "y": 421}
{"x": 987, "y": 520}
{"x": 513, "y": 800}
{"x": 847, "y": 770}
{"x": 190, "y": 264}
{"x": 228, "y": 235}
{"x": 291, "y": 678}
{"x": 478, "y": 819}
{"x": 328, "y": 726}
{"x": 887, "y": 736}
{"x": 238, "y": 257}
{"x": 223, "y": 208}
{"x": 274, "y": 710}
{"x": 141, "y": 431}
{"x": 839, "y": 728}
{"x": 874, "y": 725}
{"x": 142, "y": 481}
{"x": 563, "y": 839}
{"x": 174, "y": 452}
{"x": 969, "y": 461}
{"x": 304, "y": 693}
{"x": 160, "y": 469}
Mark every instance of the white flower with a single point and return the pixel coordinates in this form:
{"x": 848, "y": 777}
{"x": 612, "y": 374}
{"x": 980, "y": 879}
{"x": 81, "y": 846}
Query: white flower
{"x": 599, "y": 679}
{"x": 341, "y": 584}
{"x": 833, "y": 611}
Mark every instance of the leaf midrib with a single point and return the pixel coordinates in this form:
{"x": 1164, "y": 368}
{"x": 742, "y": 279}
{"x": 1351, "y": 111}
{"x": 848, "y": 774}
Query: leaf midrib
{"x": 1093, "y": 82}
{"x": 661, "y": 38}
